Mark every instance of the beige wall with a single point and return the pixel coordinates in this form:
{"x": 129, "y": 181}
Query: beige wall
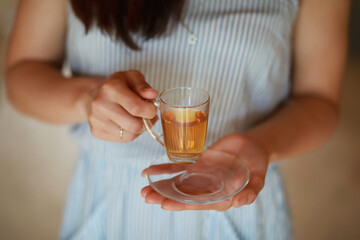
{"x": 324, "y": 186}
{"x": 36, "y": 160}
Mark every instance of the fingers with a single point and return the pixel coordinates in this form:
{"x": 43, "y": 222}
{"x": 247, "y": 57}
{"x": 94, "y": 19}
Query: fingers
{"x": 105, "y": 129}
{"x": 119, "y": 104}
{"x": 129, "y": 100}
{"x": 138, "y": 84}
{"x": 99, "y": 121}
{"x": 107, "y": 118}
{"x": 146, "y": 190}
{"x": 120, "y": 116}
{"x": 120, "y": 89}
{"x": 166, "y": 168}
{"x": 113, "y": 136}
{"x": 152, "y": 197}
{"x": 172, "y": 205}
{"x": 245, "y": 197}
{"x": 250, "y": 192}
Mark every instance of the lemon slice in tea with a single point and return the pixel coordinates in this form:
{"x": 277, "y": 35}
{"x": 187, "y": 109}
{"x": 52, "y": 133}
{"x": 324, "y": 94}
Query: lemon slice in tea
{"x": 184, "y": 115}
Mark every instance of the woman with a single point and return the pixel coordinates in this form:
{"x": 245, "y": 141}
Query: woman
{"x": 272, "y": 67}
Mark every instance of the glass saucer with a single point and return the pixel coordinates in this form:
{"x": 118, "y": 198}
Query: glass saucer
{"x": 216, "y": 176}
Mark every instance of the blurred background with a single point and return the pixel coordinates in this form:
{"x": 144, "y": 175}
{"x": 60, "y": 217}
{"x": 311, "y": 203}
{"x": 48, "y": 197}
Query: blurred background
{"x": 36, "y": 162}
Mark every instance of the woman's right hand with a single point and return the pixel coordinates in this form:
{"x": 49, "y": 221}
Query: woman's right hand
{"x": 120, "y": 103}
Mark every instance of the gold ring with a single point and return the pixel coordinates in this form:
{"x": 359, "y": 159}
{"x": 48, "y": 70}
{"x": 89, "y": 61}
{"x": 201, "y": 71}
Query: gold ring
{"x": 121, "y": 133}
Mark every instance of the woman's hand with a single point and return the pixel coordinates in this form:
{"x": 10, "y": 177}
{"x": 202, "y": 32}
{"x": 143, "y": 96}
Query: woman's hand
{"x": 119, "y": 103}
{"x": 247, "y": 151}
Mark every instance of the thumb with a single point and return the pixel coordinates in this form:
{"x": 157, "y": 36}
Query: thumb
{"x": 138, "y": 84}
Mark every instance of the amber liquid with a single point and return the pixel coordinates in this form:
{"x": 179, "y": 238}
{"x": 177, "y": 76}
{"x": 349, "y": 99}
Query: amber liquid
{"x": 184, "y": 133}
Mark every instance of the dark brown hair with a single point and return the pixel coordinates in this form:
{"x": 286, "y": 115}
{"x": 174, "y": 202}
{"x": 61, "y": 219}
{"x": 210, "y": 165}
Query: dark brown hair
{"x": 123, "y": 18}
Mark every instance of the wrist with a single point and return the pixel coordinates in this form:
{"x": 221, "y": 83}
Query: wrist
{"x": 85, "y": 91}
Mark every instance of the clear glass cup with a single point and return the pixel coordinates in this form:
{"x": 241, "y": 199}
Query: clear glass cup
{"x": 184, "y": 118}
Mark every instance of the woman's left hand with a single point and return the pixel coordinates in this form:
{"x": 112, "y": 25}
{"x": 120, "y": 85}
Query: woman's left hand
{"x": 248, "y": 151}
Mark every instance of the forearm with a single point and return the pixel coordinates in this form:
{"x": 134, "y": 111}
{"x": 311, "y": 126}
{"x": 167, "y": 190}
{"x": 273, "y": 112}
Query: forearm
{"x": 299, "y": 126}
{"x": 38, "y": 89}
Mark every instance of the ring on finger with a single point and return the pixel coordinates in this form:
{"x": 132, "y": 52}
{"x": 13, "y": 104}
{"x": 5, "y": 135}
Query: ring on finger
{"x": 121, "y": 133}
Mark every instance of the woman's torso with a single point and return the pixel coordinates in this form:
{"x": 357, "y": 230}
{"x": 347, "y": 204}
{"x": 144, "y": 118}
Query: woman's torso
{"x": 242, "y": 58}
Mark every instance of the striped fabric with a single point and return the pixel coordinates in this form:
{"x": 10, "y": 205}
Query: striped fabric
{"x": 242, "y": 58}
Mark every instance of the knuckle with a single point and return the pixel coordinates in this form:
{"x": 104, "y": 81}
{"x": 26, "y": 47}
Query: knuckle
{"x": 135, "y": 73}
{"x": 109, "y": 88}
{"x": 115, "y": 76}
{"x": 96, "y": 103}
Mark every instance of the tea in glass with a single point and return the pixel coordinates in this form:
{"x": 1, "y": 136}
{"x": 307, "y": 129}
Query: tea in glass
{"x": 184, "y": 131}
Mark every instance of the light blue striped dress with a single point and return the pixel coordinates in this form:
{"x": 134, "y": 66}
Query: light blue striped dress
{"x": 243, "y": 59}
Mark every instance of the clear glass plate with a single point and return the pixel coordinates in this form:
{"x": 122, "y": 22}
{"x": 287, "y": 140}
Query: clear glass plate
{"x": 216, "y": 176}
